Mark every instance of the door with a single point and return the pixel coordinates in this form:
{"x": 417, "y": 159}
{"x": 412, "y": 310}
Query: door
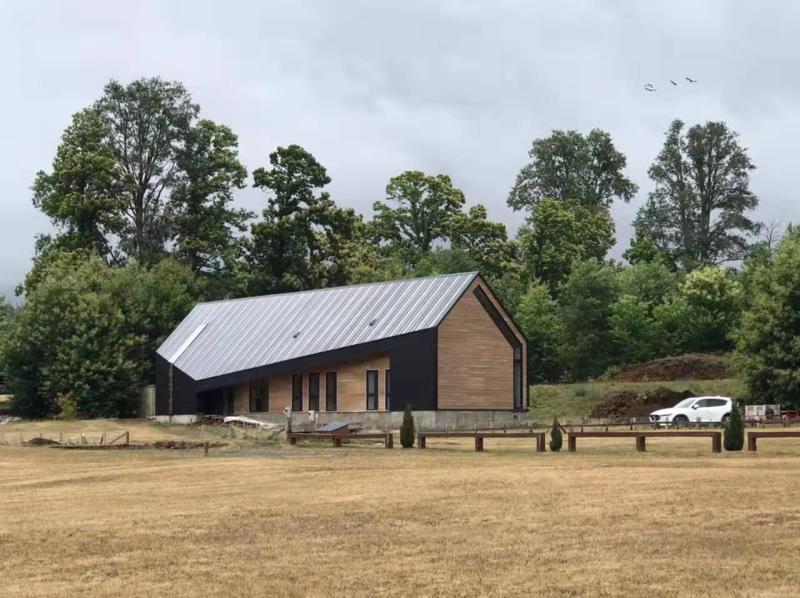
{"x": 313, "y": 392}
{"x": 297, "y": 392}
{"x": 716, "y": 409}
{"x": 700, "y": 410}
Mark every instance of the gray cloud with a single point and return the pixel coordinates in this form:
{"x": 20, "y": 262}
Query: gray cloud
{"x": 374, "y": 88}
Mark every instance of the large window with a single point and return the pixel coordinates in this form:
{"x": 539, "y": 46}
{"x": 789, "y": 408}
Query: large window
{"x": 517, "y": 377}
{"x": 259, "y": 395}
{"x": 372, "y": 390}
{"x": 313, "y": 392}
{"x": 331, "y": 380}
{"x": 230, "y": 401}
{"x": 297, "y": 392}
{"x": 387, "y": 391}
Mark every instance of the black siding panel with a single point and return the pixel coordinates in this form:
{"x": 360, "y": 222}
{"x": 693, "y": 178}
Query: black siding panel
{"x": 184, "y": 397}
{"x": 162, "y": 386}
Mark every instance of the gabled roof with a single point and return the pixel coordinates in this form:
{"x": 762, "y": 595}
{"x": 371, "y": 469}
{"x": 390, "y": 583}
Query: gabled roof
{"x": 223, "y": 337}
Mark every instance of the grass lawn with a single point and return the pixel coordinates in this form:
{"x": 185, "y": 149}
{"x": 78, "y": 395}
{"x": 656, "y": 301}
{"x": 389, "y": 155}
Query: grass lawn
{"x": 366, "y": 521}
{"x": 571, "y": 402}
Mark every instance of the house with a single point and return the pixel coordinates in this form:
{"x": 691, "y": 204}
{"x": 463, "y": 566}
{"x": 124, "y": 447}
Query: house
{"x": 439, "y": 344}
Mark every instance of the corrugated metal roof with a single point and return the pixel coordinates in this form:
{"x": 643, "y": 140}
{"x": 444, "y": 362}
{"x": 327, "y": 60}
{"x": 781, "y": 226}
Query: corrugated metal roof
{"x": 240, "y": 334}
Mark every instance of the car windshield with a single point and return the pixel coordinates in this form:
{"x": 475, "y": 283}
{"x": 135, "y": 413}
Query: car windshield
{"x": 684, "y": 403}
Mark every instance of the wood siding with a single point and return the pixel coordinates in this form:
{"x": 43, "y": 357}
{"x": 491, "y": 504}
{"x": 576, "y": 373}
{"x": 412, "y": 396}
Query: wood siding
{"x": 475, "y": 360}
{"x": 351, "y": 382}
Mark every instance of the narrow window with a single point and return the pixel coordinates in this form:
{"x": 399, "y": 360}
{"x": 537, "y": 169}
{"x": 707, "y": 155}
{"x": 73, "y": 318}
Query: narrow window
{"x": 313, "y": 392}
{"x": 331, "y": 391}
{"x": 517, "y": 377}
{"x": 230, "y": 400}
{"x": 297, "y": 392}
{"x": 258, "y": 396}
{"x": 372, "y": 390}
{"x": 387, "y": 391}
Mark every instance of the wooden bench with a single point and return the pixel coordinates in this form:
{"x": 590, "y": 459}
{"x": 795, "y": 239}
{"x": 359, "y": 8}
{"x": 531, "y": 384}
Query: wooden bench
{"x": 337, "y": 437}
{"x": 754, "y": 435}
{"x": 641, "y": 437}
{"x": 480, "y": 436}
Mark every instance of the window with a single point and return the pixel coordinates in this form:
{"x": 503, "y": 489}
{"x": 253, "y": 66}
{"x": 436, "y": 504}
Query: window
{"x": 297, "y": 392}
{"x": 331, "y": 391}
{"x": 517, "y": 377}
{"x": 372, "y": 390}
{"x": 313, "y": 392}
{"x": 230, "y": 400}
{"x": 716, "y": 403}
{"x": 387, "y": 391}
{"x": 259, "y": 396}
{"x": 700, "y": 403}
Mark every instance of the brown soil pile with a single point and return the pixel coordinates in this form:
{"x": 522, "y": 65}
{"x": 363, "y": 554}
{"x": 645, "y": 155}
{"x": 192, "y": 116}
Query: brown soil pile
{"x": 622, "y": 406}
{"x": 40, "y": 442}
{"x": 692, "y": 366}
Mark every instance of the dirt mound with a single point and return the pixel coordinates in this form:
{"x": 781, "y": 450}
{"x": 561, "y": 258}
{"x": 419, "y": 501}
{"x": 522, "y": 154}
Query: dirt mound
{"x": 692, "y": 366}
{"x": 40, "y": 442}
{"x": 622, "y": 406}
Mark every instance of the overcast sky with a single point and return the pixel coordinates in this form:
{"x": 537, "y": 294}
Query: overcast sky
{"x": 375, "y": 88}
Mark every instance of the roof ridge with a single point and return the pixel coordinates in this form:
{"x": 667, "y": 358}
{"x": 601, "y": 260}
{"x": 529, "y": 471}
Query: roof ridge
{"x": 471, "y": 273}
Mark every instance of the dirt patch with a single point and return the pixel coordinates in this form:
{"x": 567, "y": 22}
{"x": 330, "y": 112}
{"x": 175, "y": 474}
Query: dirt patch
{"x": 41, "y": 442}
{"x": 622, "y": 406}
{"x": 692, "y": 366}
{"x": 159, "y": 444}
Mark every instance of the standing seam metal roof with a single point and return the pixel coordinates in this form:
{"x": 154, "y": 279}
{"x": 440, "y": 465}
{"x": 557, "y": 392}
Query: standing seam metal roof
{"x": 240, "y": 334}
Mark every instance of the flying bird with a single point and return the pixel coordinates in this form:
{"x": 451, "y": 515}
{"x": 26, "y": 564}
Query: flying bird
{"x": 673, "y": 82}
{"x": 690, "y": 80}
{"x": 649, "y": 87}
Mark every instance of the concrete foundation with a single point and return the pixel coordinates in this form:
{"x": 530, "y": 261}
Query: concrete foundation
{"x": 391, "y": 420}
{"x": 176, "y": 419}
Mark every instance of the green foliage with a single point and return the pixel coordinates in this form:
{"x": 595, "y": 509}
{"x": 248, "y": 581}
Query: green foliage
{"x": 425, "y": 206}
{"x": 570, "y": 166}
{"x": 407, "y": 433}
{"x": 586, "y": 306}
{"x": 90, "y": 331}
{"x": 767, "y": 348}
{"x": 67, "y": 406}
{"x": 712, "y": 297}
{"x": 636, "y": 334}
{"x": 483, "y": 241}
{"x": 734, "y": 430}
{"x": 537, "y": 314}
{"x": 698, "y": 212}
{"x": 556, "y": 438}
{"x": 561, "y": 233}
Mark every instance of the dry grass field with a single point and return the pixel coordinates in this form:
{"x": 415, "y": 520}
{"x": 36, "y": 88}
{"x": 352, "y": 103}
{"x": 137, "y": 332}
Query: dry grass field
{"x": 366, "y": 521}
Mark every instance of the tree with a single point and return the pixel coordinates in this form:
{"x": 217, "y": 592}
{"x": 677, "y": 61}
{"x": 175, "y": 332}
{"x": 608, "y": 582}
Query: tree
{"x": 304, "y": 239}
{"x": 767, "y": 351}
{"x": 651, "y": 282}
{"x": 734, "y": 429}
{"x": 586, "y": 301}
{"x": 90, "y": 331}
{"x": 697, "y": 213}
{"x": 556, "y": 439}
{"x": 561, "y": 233}
{"x": 570, "y": 166}
{"x": 130, "y": 165}
{"x": 712, "y": 297}
{"x": 484, "y": 241}
{"x": 537, "y": 315}
{"x": 425, "y": 207}
{"x": 204, "y": 223}
{"x": 407, "y": 429}
{"x": 635, "y": 333}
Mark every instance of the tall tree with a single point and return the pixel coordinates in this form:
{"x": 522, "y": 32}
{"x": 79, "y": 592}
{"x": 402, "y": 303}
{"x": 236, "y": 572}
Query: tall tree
{"x": 698, "y": 212}
{"x": 484, "y": 241}
{"x": 537, "y": 314}
{"x": 304, "y": 239}
{"x": 570, "y": 166}
{"x": 425, "y": 207}
{"x": 559, "y": 234}
{"x": 120, "y": 163}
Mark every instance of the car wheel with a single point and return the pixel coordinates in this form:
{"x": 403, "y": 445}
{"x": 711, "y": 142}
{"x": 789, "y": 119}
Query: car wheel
{"x": 679, "y": 421}
{"x": 725, "y": 419}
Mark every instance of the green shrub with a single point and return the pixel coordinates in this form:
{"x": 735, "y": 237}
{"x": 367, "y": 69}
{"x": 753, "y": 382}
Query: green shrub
{"x": 579, "y": 390}
{"x": 734, "y": 430}
{"x": 556, "y": 439}
{"x": 407, "y": 429}
{"x": 66, "y": 403}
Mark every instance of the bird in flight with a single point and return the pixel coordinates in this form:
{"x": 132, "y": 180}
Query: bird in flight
{"x": 649, "y": 87}
{"x": 690, "y": 80}
{"x": 673, "y": 82}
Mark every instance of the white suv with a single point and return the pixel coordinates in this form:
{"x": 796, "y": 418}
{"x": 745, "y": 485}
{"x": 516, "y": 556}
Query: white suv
{"x": 704, "y": 409}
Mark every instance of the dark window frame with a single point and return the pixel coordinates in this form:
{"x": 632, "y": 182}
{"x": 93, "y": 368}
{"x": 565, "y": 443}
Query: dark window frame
{"x": 387, "y": 389}
{"x": 259, "y": 395}
{"x": 331, "y": 391}
{"x": 313, "y": 385}
{"x": 376, "y": 397}
{"x": 297, "y": 395}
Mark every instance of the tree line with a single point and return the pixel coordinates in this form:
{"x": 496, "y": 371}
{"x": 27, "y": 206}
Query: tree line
{"x": 141, "y": 193}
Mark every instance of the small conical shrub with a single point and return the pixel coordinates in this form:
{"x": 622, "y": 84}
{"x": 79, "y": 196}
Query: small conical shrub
{"x": 556, "y": 439}
{"x": 734, "y": 430}
{"x": 407, "y": 429}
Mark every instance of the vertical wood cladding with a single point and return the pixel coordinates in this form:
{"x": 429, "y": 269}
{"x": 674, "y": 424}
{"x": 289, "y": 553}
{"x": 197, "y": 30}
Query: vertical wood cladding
{"x": 476, "y": 361}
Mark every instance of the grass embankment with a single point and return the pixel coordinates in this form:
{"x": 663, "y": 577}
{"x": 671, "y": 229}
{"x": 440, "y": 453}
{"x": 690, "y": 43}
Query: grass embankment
{"x": 366, "y": 521}
{"x": 572, "y": 402}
